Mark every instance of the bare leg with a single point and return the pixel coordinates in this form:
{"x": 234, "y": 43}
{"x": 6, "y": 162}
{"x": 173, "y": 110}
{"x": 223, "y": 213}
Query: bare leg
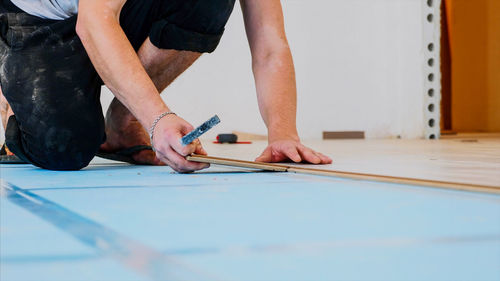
{"x": 122, "y": 128}
{"x": 164, "y": 66}
{"x": 5, "y": 112}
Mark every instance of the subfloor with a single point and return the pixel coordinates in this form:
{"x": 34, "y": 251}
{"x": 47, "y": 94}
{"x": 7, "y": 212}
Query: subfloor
{"x": 113, "y": 221}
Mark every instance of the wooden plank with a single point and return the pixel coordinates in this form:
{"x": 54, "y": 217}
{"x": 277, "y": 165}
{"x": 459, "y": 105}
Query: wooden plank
{"x": 343, "y": 135}
{"x": 398, "y": 180}
{"x": 238, "y": 163}
{"x": 341, "y": 174}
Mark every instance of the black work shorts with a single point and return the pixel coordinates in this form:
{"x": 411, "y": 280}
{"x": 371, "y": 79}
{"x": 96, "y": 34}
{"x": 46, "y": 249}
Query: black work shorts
{"x": 52, "y": 87}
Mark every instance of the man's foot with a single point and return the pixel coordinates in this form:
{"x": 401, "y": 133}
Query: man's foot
{"x": 5, "y": 110}
{"x": 7, "y": 157}
{"x": 124, "y": 131}
{"x": 5, "y": 151}
{"x": 5, "y": 113}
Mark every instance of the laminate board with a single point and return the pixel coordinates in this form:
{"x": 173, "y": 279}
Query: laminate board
{"x": 457, "y": 160}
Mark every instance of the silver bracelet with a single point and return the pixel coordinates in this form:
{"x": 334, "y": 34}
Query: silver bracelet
{"x": 152, "y": 129}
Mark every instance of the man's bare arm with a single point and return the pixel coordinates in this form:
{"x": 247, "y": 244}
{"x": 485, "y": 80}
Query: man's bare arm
{"x": 121, "y": 70}
{"x": 116, "y": 61}
{"x": 275, "y": 82}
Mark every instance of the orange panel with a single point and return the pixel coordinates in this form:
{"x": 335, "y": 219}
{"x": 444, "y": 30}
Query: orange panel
{"x": 475, "y": 64}
{"x": 494, "y": 65}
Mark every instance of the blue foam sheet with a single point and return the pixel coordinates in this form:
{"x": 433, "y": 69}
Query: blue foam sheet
{"x": 250, "y": 226}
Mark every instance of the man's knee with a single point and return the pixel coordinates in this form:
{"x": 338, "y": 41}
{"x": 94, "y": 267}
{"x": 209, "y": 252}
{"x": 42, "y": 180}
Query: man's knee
{"x": 210, "y": 17}
{"x": 198, "y": 28}
{"x": 68, "y": 149}
{"x": 59, "y": 148}
{"x": 54, "y": 147}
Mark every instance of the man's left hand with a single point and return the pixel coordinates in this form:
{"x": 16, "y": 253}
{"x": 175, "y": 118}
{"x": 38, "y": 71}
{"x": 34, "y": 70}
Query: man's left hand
{"x": 290, "y": 150}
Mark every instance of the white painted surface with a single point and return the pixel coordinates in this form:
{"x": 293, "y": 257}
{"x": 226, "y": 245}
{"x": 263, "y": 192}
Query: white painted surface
{"x": 359, "y": 66}
{"x": 358, "y": 63}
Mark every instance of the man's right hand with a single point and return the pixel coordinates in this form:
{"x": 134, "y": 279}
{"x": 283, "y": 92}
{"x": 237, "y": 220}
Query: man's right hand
{"x": 167, "y": 143}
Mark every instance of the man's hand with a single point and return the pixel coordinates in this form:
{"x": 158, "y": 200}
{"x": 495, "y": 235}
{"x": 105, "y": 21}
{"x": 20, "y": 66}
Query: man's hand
{"x": 286, "y": 150}
{"x": 167, "y": 142}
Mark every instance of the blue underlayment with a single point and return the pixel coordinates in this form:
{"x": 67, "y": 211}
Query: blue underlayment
{"x": 120, "y": 222}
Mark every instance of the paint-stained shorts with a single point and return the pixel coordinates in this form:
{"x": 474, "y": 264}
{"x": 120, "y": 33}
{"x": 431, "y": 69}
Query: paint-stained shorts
{"x": 54, "y": 90}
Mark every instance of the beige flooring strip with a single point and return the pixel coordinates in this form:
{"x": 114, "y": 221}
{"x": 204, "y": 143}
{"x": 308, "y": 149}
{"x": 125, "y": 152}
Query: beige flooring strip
{"x": 341, "y": 174}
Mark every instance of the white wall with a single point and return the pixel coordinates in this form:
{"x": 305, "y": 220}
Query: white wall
{"x": 358, "y": 63}
{"x": 359, "y": 66}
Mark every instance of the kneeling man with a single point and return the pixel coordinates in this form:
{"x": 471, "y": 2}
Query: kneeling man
{"x": 56, "y": 55}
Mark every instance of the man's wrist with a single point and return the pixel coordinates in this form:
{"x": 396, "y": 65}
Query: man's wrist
{"x": 151, "y": 130}
{"x": 150, "y": 111}
{"x": 282, "y": 134}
